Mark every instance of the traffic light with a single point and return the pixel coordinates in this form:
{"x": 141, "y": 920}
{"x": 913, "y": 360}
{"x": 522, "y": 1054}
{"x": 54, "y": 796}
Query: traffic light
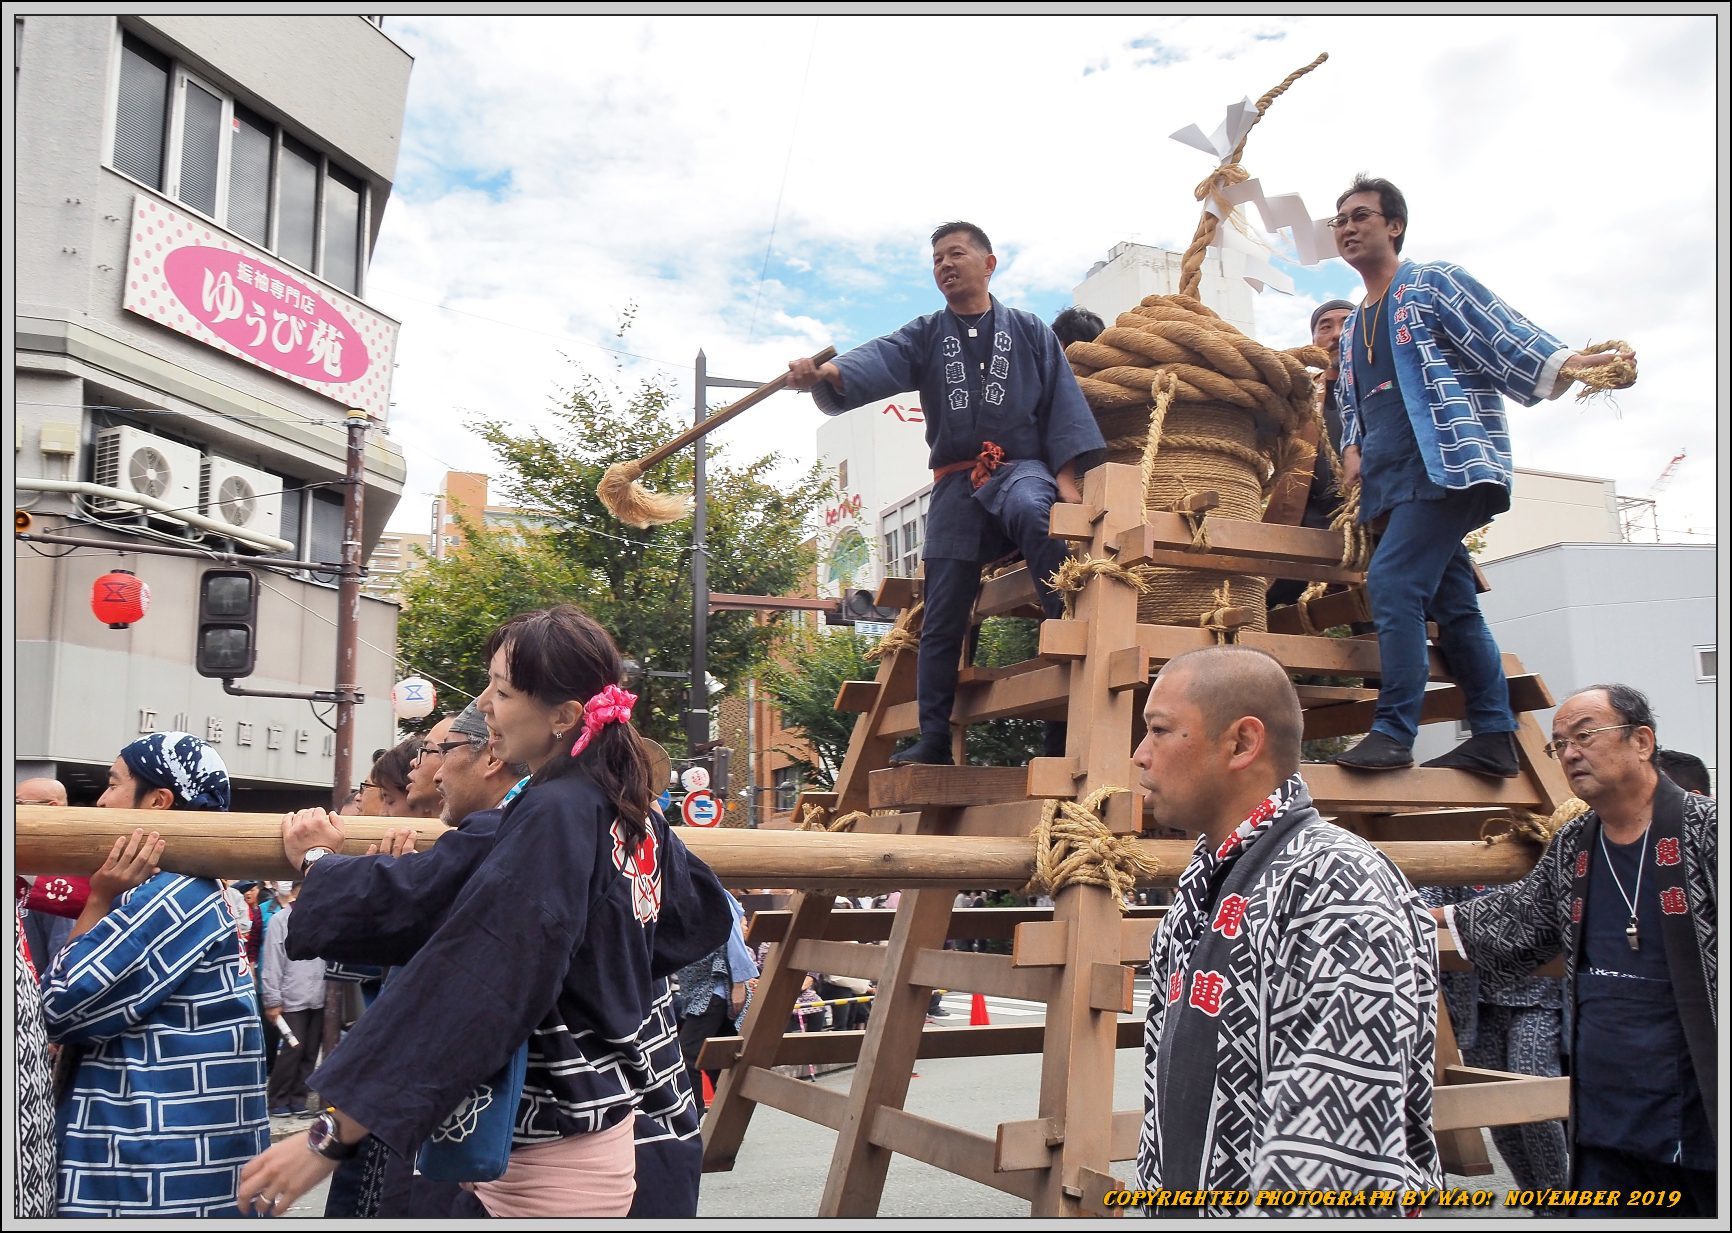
{"x": 228, "y": 613}
{"x": 860, "y": 606}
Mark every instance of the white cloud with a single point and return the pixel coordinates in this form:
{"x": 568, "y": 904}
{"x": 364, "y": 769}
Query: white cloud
{"x": 556, "y": 170}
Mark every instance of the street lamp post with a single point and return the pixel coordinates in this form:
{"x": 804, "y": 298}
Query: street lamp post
{"x": 698, "y": 699}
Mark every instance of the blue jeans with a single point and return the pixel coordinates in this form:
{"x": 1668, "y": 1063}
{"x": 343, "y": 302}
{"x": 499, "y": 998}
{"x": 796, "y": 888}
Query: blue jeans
{"x": 951, "y": 586}
{"x": 1421, "y": 571}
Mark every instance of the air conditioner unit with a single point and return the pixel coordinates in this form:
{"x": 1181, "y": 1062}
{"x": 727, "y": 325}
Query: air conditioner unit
{"x": 133, "y": 460}
{"x": 245, "y": 498}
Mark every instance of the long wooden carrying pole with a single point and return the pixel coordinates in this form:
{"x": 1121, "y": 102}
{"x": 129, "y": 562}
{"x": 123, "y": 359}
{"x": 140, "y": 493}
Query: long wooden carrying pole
{"x": 635, "y": 505}
{"x": 249, "y": 845}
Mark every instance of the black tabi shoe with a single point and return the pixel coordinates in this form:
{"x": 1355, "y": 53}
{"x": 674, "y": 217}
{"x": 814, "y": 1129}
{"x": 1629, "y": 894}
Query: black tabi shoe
{"x": 1376, "y": 752}
{"x": 1493, "y": 754}
{"x": 927, "y": 751}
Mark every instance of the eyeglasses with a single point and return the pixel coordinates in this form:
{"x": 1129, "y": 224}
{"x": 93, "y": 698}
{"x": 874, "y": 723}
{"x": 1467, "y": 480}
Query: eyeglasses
{"x": 1360, "y": 216}
{"x": 1581, "y": 740}
{"x": 474, "y": 743}
{"x": 365, "y": 784}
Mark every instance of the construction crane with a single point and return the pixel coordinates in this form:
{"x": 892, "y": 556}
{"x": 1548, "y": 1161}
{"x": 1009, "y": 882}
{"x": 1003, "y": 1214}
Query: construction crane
{"x": 1635, "y": 513}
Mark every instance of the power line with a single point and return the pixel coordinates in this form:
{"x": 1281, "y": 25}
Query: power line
{"x": 781, "y": 188}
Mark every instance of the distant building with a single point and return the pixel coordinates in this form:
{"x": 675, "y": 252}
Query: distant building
{"x": 1583, "y": 614}
{"x": 465, "y": 494}
{"x": 1548, "y": 508}
{"x": 198, "y": 201}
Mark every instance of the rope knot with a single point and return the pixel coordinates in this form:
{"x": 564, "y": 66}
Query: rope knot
{"x": 1072, "y": 845}
{"x": 1215, "y": 619}
{"x": 1074, "y": 572}
{"x": 900, "y": 638}
{"x": 1521, "y": 824}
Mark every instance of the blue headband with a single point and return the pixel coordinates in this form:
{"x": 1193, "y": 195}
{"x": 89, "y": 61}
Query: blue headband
{"x": 185, "y": 765}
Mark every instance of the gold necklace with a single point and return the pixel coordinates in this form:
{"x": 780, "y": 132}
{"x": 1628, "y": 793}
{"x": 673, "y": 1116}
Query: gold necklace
{"x": 1368, "y": 330}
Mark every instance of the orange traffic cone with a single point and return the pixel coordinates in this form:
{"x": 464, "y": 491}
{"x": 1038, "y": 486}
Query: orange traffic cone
{"x": 709, "y": 1089}
{"x": 977, "y": 1016}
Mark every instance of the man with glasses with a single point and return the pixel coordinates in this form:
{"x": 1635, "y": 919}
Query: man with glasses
{"x": 423, "y": 794}
{"x": 1626, "y": 893}
{"x": 1426, "y": 362}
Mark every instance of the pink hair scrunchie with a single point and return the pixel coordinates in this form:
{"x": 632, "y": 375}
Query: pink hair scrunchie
{"x": 611, "y": 705}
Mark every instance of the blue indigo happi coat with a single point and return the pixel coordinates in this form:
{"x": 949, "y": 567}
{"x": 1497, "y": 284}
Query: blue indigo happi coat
{"x": 1459, "y": 352}
{"x": 168, "y": 1100}
{"x": 1027, "y": 402}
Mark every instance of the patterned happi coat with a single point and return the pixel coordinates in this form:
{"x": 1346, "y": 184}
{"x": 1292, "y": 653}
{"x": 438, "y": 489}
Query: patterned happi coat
{"x": 1512, "y": 931}
{"x": 1325, "y": 1014}
{"x": 1026, "y": 401}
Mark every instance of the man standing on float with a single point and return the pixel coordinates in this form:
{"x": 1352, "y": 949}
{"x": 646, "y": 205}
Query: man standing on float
{"x": 1009, "y": 434}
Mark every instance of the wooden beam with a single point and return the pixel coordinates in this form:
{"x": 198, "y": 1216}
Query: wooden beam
{"x": 1010, "y": 593}
{"x": 953, "y": 1150}
{"x": 807, "y": 1101}
{"x": 1134, "y": 939}
{"x": 1526, "y": 693}
{"x": 839, "y": 958}
{"x": 856, "y": 696}
{"x": 924, "y": 787}
{"x": 899, "y": 593}
{"x": 1041, "y": 944}
{"x": 858, "y": 1165}
{"x": 1349, "y": 607}
{"x": 1336, "y": 788}
{"x": 969, "y": 972}
{"x": 1026, "y": 1144}
{"x": 1248, "y": 545}
{"x": 1039, "y": 693}
{"x": 1111, "y": 987}
{"x": 1509, "y": 1100}
{"x": 76, "y": 841}
{"x": 842, "y": 1048}
{"x": 873, "y": 924}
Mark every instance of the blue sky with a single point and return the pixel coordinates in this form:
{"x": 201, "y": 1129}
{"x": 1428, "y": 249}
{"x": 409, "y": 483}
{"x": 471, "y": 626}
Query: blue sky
{"x": 760, "y": 187}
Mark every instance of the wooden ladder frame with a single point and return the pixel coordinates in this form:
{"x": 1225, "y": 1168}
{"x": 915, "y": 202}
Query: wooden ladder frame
{"x": 1092, "y": 668}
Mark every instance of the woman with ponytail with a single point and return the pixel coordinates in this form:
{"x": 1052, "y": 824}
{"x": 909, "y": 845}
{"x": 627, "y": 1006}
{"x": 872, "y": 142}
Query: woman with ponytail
{"x": 555, "y": 927}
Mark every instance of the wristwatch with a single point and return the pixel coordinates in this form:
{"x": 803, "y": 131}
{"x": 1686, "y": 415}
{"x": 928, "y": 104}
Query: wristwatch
{"x": 312, "y": 855}
{"x": 322, "y": 1136}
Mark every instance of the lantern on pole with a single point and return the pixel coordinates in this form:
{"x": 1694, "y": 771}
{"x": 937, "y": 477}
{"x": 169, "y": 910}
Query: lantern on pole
{"x": 413, "y": 698}
{"x": 119, "y": 598}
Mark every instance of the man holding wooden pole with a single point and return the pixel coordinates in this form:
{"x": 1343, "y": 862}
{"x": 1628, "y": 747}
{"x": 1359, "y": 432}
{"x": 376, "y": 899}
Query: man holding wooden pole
{"x": 1009, "y": 434}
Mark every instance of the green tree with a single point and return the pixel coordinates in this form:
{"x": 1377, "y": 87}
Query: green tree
{"x": 636, "y": 583}
{"x": 802, "y": 678}
{"x": 452, "y": 605}
{"x": 1004, "y": 641}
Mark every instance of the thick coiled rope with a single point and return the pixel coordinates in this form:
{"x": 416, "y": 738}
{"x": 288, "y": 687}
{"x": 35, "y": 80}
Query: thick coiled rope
{"x": 1073, "y": 846}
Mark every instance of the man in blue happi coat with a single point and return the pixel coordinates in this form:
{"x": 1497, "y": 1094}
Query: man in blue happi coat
{"x": 1009, "y": 434}
{"x": 1426, "y": 362}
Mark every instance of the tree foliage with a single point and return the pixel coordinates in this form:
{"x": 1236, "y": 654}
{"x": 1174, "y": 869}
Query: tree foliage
{"x": 452, "y": 605}
{"x": 802, "y": 679}
{"x": 636, "y": 583}
{"x": 1005, "y": 742}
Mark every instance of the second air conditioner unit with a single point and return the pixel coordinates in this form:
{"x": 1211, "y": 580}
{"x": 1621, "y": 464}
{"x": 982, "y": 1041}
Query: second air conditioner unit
{"x": 133, "y": 460}
{"x": 244, "y": 498}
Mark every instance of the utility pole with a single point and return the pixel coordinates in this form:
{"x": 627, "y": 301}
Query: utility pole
{"x": 698, "y": 700}
{"x": 348, "y": 689}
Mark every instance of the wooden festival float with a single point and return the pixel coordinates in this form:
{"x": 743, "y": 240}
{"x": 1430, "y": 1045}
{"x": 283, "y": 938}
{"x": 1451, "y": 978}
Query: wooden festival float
{"x": 1211, "y": 441}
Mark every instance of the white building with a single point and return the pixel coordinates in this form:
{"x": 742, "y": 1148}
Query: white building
{"x": 1548, "y": 508}
{"x": 1587, "y": 614}
{"x": 197, "y": 204}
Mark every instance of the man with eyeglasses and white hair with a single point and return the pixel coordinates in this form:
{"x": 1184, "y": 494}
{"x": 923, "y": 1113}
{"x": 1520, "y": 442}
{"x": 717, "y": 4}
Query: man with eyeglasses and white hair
{"x": 1426, "y": 362}
{"x": 1627, "y": 894}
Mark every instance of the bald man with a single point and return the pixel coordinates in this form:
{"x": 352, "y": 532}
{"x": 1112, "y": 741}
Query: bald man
{"x": 1293, "y": 1021}
{"x": 40, "y": 792}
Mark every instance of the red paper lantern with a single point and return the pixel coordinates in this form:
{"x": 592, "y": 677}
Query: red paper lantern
{"x": 119, "y": 598}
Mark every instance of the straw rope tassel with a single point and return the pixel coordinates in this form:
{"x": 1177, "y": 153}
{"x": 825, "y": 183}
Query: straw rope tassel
{"x": 1538, "y": 827}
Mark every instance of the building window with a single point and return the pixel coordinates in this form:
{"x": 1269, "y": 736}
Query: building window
{"x": 141, "y": 112}
{"x": 787, "y": 788}
{"x": 911, "y": 538}
{"x": 892, "y": 559}
{"x": 1707, "y": 663}
{"x": 185, "y": 137}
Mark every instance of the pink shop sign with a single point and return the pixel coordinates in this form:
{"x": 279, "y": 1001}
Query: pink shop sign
{"x": 205, "y": 284}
